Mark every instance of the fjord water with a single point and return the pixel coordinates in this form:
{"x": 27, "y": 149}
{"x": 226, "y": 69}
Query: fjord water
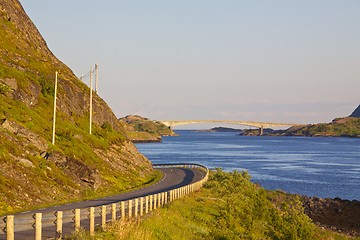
{"x": 323, "y": 167}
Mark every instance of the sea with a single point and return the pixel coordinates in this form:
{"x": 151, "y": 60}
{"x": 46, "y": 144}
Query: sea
{"x": 326, "y": 167}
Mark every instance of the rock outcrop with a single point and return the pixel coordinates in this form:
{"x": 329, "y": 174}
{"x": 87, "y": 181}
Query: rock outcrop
{"x": 335, "y": 214}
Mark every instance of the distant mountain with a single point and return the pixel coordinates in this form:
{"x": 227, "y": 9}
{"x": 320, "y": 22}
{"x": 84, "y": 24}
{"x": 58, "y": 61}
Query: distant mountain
{"x": 356, "y": 112}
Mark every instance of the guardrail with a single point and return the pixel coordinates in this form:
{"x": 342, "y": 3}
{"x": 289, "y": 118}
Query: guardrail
{"x": 53, "y": 224}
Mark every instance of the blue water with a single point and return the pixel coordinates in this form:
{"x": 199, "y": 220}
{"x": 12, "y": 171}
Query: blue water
{"x": 323, "y": 167}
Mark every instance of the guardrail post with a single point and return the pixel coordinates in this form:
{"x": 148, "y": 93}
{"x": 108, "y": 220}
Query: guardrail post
{"x": 141, "y": 206}
{"x": 59, "y": 225}
{"x": 113, "y": 212}
{"x": 155, "y": 201}
{"x": 150, "y": 203}
{"x": 92, "y": 221}
{"x": 146, "y": 204}
{"x": 38, "y": 226}
{"x": 136, "y": 207}
{"x": 159, "y": 200}
{"x": 130, "y": 208}
{"x": 103, "y": 216}
{"x": 166, "y": 197}
{"x": 77, "y": 219}
{"x": 10, "y": 227}
{"x": 122, "y": 204}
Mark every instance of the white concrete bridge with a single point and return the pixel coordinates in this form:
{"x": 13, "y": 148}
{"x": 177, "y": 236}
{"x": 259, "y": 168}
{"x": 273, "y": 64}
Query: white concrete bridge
{"x": 260, "y": 125}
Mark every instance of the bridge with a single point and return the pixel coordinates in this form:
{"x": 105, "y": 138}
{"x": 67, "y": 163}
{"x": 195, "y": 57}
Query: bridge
{"x": 260, "y": 125}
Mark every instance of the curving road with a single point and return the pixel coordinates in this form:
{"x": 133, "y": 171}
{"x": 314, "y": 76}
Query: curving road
{"x": 174, "y": 177}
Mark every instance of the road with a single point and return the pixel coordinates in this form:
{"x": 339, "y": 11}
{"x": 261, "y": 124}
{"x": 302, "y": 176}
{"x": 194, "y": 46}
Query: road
{"x": 174, "y": 177}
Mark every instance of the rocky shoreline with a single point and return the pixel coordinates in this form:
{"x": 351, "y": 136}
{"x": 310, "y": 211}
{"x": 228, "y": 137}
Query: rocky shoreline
{"x": 335, "y": 214}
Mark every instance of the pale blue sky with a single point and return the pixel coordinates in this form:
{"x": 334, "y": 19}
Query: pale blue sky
{"x": 280, "y": 61}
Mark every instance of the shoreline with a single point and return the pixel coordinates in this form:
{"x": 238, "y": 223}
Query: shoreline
{"x": 335, "y": 214}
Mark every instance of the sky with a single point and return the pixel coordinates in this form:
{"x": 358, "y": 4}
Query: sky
{"x": 251, "y": 60}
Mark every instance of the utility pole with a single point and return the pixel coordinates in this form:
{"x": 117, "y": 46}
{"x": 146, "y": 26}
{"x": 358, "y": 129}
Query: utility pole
{"x": 96, "y": 78}
{"x": 91, "y": 70}
{"x": 54, "y": 117}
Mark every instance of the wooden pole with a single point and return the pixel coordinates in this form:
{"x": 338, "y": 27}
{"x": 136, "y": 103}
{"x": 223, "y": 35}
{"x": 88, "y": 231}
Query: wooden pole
{"x": 141, "y": 206}
{"x": 130, "y": 208}
{"x": 59, "y": 225}
{"x": 90, "y": 117}
{"x": 38, "y": 226}
{"x": 96, "y": 78}
{"x": 103, "y": 216}
{"x": 155, "y": 201}
{"x": 113, "y": 212}
{"x": 122, "y": 210}
{"x": 150, "y": 203}
{"x": 54, "y": 117}
{"x": 146, "y": 204}
{"x": 136, "y": 207}
{"x": 77, "y": 219}
{"x": 92, "y": 221}
{"x": 10, "y": 227}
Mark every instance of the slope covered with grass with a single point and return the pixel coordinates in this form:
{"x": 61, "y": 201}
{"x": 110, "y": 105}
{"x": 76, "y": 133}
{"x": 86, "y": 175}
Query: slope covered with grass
{"x": 33, "y": 172}
{"x": 229, "y": 206}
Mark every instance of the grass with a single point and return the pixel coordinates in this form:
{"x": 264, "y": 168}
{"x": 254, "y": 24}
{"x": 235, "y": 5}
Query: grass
{"x": 228, "y": 207}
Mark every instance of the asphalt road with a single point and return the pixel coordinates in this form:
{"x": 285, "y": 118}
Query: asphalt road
{"x": 173, "y": 178}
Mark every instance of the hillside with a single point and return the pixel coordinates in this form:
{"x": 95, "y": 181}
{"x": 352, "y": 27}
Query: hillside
{"x": 141, "y": 129}
{"x": 339, "y": 127}
{"x": 33, "y": 172}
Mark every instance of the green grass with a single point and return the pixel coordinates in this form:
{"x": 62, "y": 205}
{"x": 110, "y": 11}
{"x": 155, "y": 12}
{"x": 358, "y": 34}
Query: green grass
{"x": 228, "y": 207}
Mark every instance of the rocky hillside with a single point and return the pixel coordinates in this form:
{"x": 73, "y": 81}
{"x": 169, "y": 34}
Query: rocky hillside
{"x": 141, "y": 129}
{"x": 33, "y": 172}
{"x": 339, "y": 127}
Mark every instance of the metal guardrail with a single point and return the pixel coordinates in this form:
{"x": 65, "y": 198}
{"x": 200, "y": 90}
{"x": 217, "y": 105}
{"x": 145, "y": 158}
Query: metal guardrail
{"x": 54, "y": 223}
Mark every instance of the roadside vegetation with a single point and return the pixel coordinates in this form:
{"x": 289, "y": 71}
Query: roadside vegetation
{"x": 229, "y": 206}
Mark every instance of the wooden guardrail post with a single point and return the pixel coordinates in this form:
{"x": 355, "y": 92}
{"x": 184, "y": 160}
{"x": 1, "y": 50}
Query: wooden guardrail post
{"x": 146, "y": 204}
{"x": 155, "y": 201}
{"x": 170, "y": 195}
{"x": 92, "y": 221}
{"x": 150, "y": 203}
{"x": 130, "y": 208}
{"x": 77, "y": 219}
{"x": 141, "y": 206}
{"x": 113, "y": 212}
{"x": 59, "y": 225}
{"x": 136, "y": 208}
{"x": 122, "y": 204}
{"x": 10, "y": 227}
{"x": 38, "y": 226}
{"x": 159, "y": 199}
{"x": 103, "y": 216}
